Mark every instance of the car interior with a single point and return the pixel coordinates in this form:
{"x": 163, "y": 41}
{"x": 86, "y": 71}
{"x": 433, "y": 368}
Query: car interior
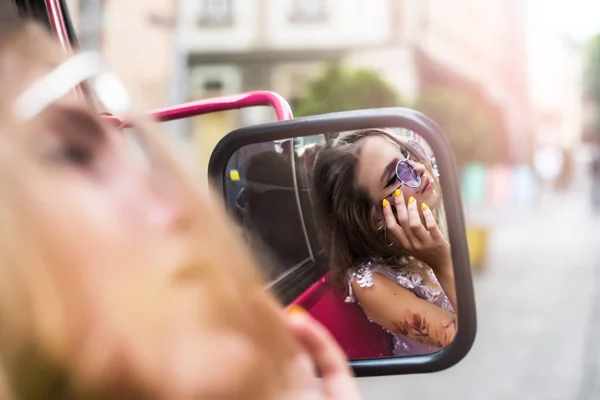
{"x": 293, "y": 236}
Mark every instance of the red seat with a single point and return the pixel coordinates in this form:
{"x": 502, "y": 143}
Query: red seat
{"x": 359, "y": 337}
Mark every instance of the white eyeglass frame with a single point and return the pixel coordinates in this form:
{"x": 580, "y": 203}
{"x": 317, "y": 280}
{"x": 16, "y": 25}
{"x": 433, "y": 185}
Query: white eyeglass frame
{"x": 85, "y": 66}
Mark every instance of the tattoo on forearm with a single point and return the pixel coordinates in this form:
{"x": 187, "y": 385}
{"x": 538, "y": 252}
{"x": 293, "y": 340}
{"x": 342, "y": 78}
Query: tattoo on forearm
{"x": 421, "y": 329}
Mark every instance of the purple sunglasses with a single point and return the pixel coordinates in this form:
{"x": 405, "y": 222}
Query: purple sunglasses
{"x": 405, "y": 172}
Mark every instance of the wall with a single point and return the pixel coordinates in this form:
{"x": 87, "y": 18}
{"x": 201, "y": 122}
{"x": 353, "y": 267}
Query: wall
{"x": 260, "y": 24}
{"x": 239, "y": 35}
{"x": 136, "y": 41}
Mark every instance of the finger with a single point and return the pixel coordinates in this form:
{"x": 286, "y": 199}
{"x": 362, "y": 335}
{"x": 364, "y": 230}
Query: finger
{"x": 318, "y": 342}
{"x": 388, "y": 215}
{"x": 402, "y": 216}
{"x": 393, "y": 227}
{"x": 325, "y": 352}
{"x": 401, "y": 211}
{"x": 414, "y": 220}
{"x": 431, "y": 223}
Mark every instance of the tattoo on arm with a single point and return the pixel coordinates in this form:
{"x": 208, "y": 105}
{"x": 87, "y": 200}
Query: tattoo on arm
{"x": 421, "y": 329}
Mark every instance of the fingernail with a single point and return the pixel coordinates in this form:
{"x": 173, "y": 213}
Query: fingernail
{"x": 411, "y": 200}
{"x": 385, "y": 203}
{"x": 424, "y": 206}
{"x": 398, "y": 192}
{"x": 295, "y": 310}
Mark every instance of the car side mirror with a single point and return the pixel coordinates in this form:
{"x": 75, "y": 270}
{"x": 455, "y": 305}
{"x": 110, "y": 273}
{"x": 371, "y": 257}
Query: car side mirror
{"x": 387, "y": 271}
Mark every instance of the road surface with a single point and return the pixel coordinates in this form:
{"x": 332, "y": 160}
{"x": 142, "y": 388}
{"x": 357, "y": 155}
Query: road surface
{"x": 538, "y": 306}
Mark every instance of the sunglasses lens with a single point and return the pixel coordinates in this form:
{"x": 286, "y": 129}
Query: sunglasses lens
{"x": 407, "y": 174}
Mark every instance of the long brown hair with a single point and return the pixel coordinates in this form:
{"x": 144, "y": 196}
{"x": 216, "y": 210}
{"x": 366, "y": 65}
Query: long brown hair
{"x": 49, "y": 341}
{"x": 345, "y": 212}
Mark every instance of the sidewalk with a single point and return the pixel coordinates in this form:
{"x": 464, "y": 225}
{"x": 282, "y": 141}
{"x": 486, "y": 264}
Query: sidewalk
{"x": 536, "y": 301}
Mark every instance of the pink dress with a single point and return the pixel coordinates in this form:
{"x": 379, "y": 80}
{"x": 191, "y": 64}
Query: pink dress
{"x": 363, "y": 275}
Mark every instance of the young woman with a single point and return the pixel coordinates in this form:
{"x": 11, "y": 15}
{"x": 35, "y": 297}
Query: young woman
{"x": 378, "y": 203}
{"x": 121, "y": 275}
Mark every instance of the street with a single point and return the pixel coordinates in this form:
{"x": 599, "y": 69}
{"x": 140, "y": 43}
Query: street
{"x": 538, "y": 309}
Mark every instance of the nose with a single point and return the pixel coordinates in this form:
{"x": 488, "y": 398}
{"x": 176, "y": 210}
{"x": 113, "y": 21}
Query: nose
{"x": 420, "y": 168}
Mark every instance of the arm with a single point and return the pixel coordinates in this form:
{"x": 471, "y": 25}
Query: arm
{"x": 401, "y": 311}
{"x": 446, "y": 278}
{"x": 424, "y": 241}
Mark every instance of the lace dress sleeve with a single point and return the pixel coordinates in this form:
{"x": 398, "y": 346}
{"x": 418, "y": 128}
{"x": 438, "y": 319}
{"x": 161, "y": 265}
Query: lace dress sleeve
{"x": 410, "y": 280}
{"x": 363, "y": 276}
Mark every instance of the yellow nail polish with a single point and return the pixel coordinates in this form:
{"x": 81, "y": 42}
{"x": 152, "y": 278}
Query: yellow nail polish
{"x": 411, "y": 200}
{"x": 295, "y": 310}
{"x": 397, "y": 192}
{"x": 424, "y": 206}
{"x": 385, "y": 203}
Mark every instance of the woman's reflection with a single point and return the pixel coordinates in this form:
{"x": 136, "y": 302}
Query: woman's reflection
{"x": 378, "y": 205}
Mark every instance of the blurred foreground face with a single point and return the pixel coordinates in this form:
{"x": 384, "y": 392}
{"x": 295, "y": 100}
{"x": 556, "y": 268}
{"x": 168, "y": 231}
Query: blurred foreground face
{"x": 119, "y": 274}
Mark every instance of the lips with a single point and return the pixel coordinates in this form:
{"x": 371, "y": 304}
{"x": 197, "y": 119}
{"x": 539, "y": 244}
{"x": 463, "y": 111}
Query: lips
{"x": 426, "y": 184}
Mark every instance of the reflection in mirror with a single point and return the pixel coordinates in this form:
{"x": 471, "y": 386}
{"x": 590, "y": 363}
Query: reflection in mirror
{"x": 350, "y": 226}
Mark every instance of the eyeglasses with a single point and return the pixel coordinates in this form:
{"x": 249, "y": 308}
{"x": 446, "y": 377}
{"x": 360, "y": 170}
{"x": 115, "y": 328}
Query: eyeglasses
{"x": 405, "y": 172}
{"x": 407, "y": 175}
{"x": 86, "y": 67}
{"x": 106, "y": 91}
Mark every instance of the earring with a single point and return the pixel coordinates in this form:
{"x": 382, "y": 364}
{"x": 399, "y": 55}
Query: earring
{"x": 385, "y": 235}
{"x": 391, "y": 243}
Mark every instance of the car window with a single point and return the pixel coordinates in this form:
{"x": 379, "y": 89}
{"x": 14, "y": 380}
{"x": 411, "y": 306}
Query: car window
{"x": 262, "y": 191}
{"x": 306, "y": 149}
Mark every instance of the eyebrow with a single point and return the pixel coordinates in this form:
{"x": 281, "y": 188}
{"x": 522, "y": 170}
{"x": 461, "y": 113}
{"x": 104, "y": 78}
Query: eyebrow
{"x": 386, "y": 172}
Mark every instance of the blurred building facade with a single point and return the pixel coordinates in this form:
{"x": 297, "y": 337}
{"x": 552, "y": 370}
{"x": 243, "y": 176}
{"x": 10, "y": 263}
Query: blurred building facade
{"x": 479, "y": 48}
{"x": 136, "y": 38}
{"x": 171, "y": 51}
{"x": 476, "y": 47}
{"x": 280, "y": 45}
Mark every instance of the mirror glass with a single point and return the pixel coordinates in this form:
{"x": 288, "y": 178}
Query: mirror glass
{"x": 351, "y": 227}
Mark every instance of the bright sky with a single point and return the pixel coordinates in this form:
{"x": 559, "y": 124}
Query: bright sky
{"x": 578, "y": 18}
{"x": 549, "y": 57}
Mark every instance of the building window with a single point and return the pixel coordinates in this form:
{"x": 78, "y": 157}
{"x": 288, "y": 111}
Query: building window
{"x": 216, "y": 12}
{"x": 91, "y": 23}
{"x": 309, "y": 11}
{"x": 213, "y": 88}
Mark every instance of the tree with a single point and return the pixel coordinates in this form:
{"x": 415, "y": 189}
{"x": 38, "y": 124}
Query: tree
{"x": 473, "y": 135}
{"x": 467, "y": 123}
{"x": 341, "y": 89}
